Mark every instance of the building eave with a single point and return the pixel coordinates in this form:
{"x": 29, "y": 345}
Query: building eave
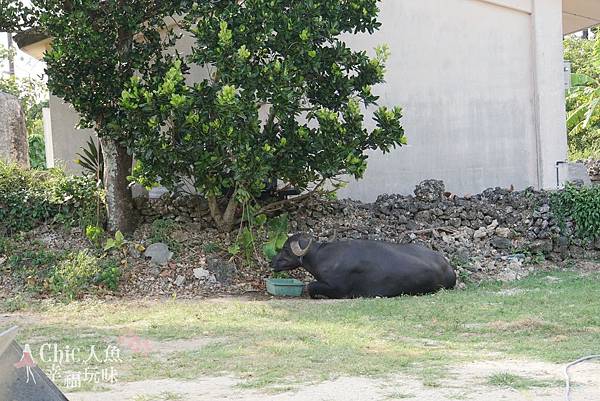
{"x": 33, "y": 42}
{"x": 580, "y": 14}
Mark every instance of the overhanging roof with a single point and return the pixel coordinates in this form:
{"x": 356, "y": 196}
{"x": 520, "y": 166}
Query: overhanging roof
{"x": 33, "y": 43}
{"x": 580, "y": 14}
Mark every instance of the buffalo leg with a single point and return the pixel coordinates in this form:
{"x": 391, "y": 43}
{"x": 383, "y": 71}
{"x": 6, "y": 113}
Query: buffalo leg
{"x": 318, "y": 289}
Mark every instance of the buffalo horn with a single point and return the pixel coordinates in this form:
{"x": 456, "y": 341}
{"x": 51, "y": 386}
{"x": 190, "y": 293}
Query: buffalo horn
{"x": 297, "y": 250}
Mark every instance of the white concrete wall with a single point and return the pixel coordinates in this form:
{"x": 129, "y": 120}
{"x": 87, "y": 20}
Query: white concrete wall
{"x": 549, "y": 95}
{"x": 477, "y": 105}
{"x": 67, "y": 140}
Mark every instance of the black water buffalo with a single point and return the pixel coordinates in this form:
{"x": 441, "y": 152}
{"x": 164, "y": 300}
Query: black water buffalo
{"x": 355, "y": 269}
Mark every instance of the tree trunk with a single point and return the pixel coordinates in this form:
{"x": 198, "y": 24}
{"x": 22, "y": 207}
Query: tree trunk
{"x": 119, "y": 202}
{"x": 11, "y": 56}
{"x": 224, "y": 221}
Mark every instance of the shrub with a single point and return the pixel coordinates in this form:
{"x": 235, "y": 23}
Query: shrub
{"x": 14, "y": 304}
{"x": 62, "y": 273}
{"x": 37, "y": 150}
{"x": 29, "y": 198}
{"x": 94, "y": 235}
{"x": 30, "y": 262}
{"x": 75, "y": 274}
{"x": 162, "y": 230}
{"x": 110, "y": 274}
{"x": 582, "y": 205}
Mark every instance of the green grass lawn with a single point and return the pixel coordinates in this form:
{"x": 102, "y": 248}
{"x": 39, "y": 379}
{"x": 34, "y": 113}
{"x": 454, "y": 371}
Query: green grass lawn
{"x": 281, "y": 342}
{"x": 517, "y": 382}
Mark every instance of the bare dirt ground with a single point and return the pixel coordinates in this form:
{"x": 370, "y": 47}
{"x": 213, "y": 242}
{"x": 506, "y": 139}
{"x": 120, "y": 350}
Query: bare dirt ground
{"x": 466, "y": 382}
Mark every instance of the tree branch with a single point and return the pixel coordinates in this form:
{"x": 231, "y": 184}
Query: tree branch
{"x": 280, "y": 204}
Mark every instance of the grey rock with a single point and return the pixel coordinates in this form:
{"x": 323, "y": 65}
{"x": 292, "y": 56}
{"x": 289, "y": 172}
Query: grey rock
{"x": 593, "y": 167}
{"x": 201, "y": 274}
{"x": 223, "y": 270}
{"x": 14, "y": 146}
{"x": 154, "y": 271}
{"x": 139, "y": 194}
{"x": 543, "y": 246}
{"x": 438, "y": 211}
{"x": 423, "y": 216}
{"x": 412, "y": 226}
{"x": 516, "y": 257}
{"x": 577, "y": 252}
{"x": 501, "y": 243}
{"x": 133, "y": 252}
{"x": 491, "y": 228}
{"x": 480, "y": 233}
{"x": 508, "y": 275}
{"x": 462, "y": 256}
{"x": 180, "y": 280}
{"x": 402, "y": 219}
{"x": 430, "y": 190}
{"x": 503, "y": 232}
{"x": 455, "y": 222}
{"x": 159, "y": 254}
{"x": 545, "y": 208}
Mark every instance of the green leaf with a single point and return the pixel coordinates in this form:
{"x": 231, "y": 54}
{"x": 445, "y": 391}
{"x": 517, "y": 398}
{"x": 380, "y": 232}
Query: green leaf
{"x": 581, "y": 80}
{"x": 261, "y": 219}
{"x": 234, "y": 249}
{"x": 280, "y": 241}
{"x": 269, "y": 250}
{"x": 110, "y": 244}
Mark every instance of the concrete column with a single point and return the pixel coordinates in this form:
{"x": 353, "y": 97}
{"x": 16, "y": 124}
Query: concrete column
{"x": 549, "y": 92}
{"x": 49, "y": 144}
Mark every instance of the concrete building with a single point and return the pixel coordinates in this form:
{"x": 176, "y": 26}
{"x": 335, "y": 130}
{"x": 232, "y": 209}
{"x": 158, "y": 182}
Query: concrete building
{"x": 482, "y": 87}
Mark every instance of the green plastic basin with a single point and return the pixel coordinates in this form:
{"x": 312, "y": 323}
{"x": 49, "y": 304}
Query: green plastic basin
{"x": 284, "y": 287}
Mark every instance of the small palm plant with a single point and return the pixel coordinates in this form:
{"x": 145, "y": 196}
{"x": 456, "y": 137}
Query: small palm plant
{"x": 91, "y": 159}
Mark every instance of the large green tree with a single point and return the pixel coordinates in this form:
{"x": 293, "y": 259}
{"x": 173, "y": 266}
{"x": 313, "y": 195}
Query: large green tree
{"x": 97, "y": 47}
{"x": 281, "y": 96}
